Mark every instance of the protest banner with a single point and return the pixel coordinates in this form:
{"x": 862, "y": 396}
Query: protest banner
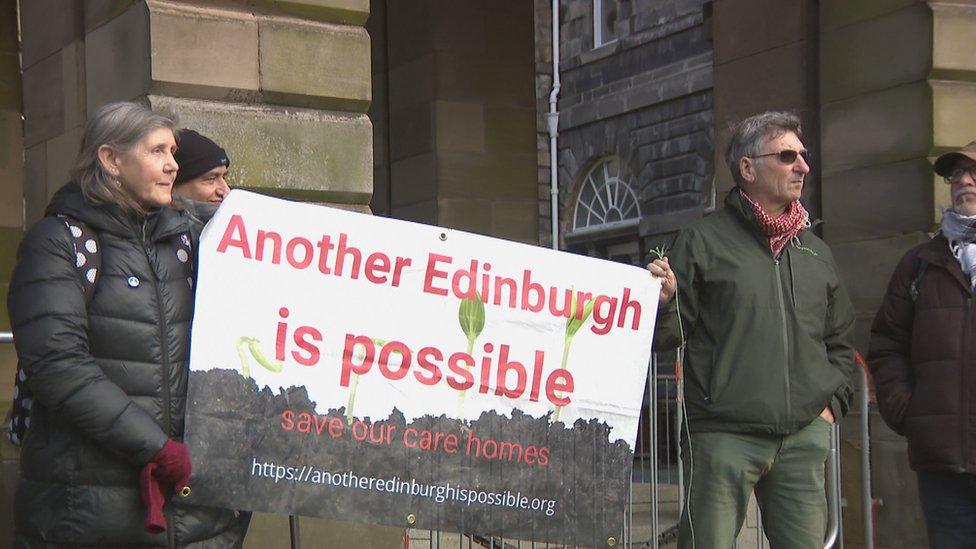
{"x": 388, "y": 372}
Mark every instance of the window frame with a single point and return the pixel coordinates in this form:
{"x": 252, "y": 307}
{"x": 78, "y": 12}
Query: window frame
{"x": 599, "y": 176}
{"x": 598, "y": 38}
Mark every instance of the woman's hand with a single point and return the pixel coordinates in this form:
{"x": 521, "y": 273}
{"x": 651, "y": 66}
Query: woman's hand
{"x": 173, "y": 465}
{"x": 167, "y": 472}
{"x": 659, "y": 268}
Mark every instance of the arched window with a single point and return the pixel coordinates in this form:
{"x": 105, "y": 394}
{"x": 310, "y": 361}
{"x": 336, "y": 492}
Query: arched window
{"x": 606, "y": 200}
{"x": 607, "y": 215}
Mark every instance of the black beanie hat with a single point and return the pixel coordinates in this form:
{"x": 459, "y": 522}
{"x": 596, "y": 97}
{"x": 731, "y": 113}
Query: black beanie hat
{"x": 196, "y": 155}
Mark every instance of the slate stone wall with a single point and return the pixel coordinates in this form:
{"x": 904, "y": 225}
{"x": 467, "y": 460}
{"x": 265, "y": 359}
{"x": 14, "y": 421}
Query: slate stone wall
{"x": 645, "y": 98}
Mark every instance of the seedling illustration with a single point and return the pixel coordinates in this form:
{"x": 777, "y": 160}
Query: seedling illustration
{"x": 257, "y": 353}
{"x": 360, "y": 355}
{"x": 471, "y": 317}
{"x": 573, "y": 324}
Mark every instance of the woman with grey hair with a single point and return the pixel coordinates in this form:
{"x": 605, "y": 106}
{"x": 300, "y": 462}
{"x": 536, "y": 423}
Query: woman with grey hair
{"x": 100, "y": 305}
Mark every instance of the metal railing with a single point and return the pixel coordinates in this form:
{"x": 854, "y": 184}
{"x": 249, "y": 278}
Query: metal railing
{"x": 657, "y": 468}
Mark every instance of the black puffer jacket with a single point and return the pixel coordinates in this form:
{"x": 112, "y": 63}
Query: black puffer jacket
{"x": 109, "y": 382}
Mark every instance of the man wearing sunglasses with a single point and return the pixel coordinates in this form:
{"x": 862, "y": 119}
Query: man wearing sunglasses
{"x": 757, "y": 301}
{"x": 923, "y": 357}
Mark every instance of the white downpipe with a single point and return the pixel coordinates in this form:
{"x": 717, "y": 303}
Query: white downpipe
{"x": 553, "y": 121}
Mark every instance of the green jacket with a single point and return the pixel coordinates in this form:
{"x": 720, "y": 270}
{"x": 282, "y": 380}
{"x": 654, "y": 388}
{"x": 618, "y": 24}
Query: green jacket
{"x": 769, "y": 340}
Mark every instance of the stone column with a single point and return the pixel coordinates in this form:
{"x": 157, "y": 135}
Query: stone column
{"x": 283, "y": 86}
{"x": 766, "y": 59}
{"x": 462, "y": 115}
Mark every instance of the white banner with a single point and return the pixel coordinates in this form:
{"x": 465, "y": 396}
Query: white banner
{"x": 377, "y": 318}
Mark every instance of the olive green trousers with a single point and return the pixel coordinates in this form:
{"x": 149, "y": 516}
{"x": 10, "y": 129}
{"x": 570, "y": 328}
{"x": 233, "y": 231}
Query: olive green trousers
{"x": 785, "y": 472}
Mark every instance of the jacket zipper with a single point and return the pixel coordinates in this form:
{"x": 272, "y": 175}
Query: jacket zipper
{"x": 964, "y": 425}
{"x": 164, "y": 350}
{"x": 786, "y": 337}
{"x": 789, "y": 259}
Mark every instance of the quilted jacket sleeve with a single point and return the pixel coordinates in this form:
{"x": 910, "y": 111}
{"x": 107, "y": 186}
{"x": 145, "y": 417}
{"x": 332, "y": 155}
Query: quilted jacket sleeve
{"x": 889, "y": 353}
{"x": 49, "y": 319}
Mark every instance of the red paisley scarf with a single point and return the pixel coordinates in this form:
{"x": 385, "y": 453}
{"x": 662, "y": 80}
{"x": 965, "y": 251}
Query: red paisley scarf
{"x": 782, "y": 228}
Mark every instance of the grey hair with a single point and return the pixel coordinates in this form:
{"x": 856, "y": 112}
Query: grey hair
{"x": 749, "y": 135}
{"x": 120, "y": 126}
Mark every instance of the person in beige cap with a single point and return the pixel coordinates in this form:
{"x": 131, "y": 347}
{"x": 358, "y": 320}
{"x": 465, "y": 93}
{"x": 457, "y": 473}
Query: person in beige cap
{"x": 923, "y": 357}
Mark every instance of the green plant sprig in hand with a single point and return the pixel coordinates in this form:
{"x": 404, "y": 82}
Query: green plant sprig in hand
{"x": 573, "y": 324}
{"x": 659, "y": 253}
{"x": 471, "y": 317}
{"x": 258, "y": 354}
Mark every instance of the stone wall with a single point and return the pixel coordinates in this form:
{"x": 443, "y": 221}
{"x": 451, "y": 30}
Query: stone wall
{"x": 461, "y": 113}
{"x": 877, "y": 194}
{"x": 644, "y": 98}
{"x": 258, "y": 77}
{"x": 766, "y": 59}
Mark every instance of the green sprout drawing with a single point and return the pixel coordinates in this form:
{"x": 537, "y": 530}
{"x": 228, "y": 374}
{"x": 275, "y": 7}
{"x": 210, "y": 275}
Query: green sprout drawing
{"x": 257, "y": 353}
{"x": 575, "y": 321}
{"x": 471, "y": 317}
{"x": 360, "y": 355}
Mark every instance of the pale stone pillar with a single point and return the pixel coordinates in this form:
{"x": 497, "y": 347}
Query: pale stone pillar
{"x": 283, "y": 86}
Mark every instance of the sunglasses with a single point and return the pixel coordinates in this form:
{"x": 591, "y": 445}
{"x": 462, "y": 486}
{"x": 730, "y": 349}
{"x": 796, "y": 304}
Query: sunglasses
{"x": 955, "y": 175}
{"x": 786, "y": 156}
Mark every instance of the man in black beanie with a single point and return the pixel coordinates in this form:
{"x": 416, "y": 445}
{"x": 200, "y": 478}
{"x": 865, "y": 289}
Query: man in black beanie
{"x": 203, "y": 168}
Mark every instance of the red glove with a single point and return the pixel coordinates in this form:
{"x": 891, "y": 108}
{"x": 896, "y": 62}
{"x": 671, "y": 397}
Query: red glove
{"x": 169, "y": 469}
{"x": 152, "y": 498}
{"x": 173, "y": 462}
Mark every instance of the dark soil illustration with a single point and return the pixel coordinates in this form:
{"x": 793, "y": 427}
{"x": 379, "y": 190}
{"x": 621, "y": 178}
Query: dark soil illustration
{"x": 256, "y": 450}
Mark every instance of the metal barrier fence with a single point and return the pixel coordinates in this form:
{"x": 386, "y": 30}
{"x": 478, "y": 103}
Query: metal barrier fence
{"x": 657, "y": 485}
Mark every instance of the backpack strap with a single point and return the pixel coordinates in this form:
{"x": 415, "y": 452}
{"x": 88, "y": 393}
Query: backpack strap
{"x": 917, "y": 281}
{"x": 88, "y": 253}
{"x": 88, "y": 264}
{"x": 184, "y": 252}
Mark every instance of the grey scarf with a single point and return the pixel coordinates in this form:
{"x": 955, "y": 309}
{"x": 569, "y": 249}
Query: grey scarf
{"x": 960, "y": 230}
